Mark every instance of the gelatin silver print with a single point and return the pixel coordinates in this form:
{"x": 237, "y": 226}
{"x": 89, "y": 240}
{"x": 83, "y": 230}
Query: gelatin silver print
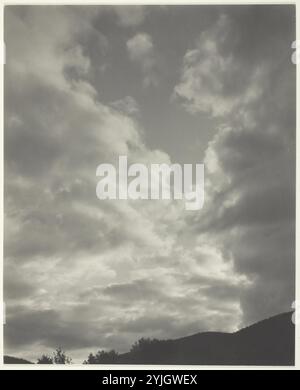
{"x": 149, "y": 184}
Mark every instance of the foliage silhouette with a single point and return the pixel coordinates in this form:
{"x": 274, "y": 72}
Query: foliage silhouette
{"x": 102, "y": 357}
{"x": 45, "y": 359}
{"x": 59, "y": 357}
{"x": 145, "y": 345}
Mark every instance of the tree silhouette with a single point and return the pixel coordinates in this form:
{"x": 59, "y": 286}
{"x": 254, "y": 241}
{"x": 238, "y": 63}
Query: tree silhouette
{"x": 144, "y": 345}
{"x": 102, "y": 357}
{"x": 45, "y": 359}
{"x": 59, "y": 357}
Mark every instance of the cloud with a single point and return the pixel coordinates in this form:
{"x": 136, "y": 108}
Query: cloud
{"x": 50, "y": 330}
{"x": 86, "y": 274}
{"x": 141, "y": 50}
{"x": 211, "y": 80}
{"x": 140, "y": 47}
{"x": 78, "y": 272}
{"x": 250, "y": 162}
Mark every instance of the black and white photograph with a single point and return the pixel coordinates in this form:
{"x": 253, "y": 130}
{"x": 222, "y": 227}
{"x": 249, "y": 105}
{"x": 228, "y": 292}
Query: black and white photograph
{"x": 149, "y": 184}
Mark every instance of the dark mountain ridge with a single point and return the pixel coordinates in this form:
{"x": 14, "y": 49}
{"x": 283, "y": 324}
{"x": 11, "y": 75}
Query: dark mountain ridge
{"x": 268, "y": 342}
{"x": 15, "y": 360}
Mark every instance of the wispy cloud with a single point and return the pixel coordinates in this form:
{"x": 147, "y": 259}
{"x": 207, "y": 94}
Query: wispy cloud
{"x": 141, "y": 50}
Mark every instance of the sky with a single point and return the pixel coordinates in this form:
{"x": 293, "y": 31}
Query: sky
{"x": 159, "y": 84}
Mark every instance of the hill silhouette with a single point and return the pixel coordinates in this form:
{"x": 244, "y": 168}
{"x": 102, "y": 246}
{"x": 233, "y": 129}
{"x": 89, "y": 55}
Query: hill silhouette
{"x": 15, "y": 360}
{"x": 270, "y": 342}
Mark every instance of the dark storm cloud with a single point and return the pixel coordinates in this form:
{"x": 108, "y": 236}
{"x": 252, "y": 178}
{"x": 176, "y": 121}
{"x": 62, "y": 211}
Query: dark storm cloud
{"x": 250, "y": 86}
{"x": 15, "y": 287}
{"x": 50, "y": 330}
{"x": 230, "y": 57}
